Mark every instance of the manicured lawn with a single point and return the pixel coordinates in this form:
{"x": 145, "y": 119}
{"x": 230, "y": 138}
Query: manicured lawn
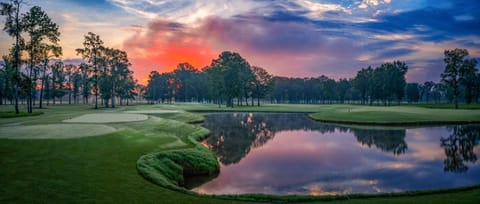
{"x": 396, "y": 115}
{"x": 12, "y": 114}
{"x": 104, "y": 168}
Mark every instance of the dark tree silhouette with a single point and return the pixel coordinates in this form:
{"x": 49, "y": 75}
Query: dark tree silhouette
{"x": 459, "y": 147}
{"x": 386, "y": 140}
{"x": 40, "y": 28}
{"x": 14, "y": 28}
{"x": 458, "y": 70}
{"x": 91, "y": 51}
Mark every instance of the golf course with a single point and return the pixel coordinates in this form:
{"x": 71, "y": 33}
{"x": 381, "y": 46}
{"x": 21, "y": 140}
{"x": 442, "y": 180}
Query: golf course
{"x": 140, "y": 153}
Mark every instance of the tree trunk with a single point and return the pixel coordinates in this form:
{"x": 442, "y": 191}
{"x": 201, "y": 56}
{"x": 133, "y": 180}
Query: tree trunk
{"x": 113, "y": 93}
{"x": 456, "y": 102}
{"x": 17, "y": 55}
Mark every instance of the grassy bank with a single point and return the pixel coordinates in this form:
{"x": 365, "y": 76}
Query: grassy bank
{"x": 108, "y": 168}
{"x": 397, "y": 115}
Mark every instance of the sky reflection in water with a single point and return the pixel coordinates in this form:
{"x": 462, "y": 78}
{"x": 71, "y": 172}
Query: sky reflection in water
{"x": 290, "y": 154}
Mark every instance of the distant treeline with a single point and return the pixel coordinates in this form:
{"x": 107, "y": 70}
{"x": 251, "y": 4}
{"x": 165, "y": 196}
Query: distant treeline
{"x": 230, "y": 78}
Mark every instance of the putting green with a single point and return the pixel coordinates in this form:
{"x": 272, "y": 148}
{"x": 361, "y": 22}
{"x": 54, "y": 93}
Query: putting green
{"x": 107, "y": 118}
{"x": 54, "y": 131}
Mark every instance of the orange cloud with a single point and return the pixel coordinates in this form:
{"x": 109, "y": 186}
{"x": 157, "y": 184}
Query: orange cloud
{"x": 163, "y": 46}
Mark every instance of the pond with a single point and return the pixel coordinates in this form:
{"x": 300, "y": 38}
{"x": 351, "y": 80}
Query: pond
{"x": 282, "y": 154}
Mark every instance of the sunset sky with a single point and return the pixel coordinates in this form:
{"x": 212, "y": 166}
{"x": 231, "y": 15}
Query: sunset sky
{"x": 298, "y": 38}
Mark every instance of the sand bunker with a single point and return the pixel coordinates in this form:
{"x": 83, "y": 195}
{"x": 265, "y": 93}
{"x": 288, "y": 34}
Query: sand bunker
{"x": 107, "y": 118}
{"x": 153, "y": 111}
{"x": 54, "y": 131}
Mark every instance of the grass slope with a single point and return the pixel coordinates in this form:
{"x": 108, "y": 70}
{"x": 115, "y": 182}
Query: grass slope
{"x": 104, "y": 169}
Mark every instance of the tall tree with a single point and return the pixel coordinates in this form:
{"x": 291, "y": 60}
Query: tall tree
{"x": 14, "y": 28}
{"x": 39, "y": 28}
{"x": 76, "y": 81}
{"x": 263, "y": 83}
{"x": 58, "y": 79}
{"x": 412, "y": 90}
{"x": 363, "y": 82}
{"x": 91, "y": 51}
{"x": 85, "y": 72}
{"x": 342, "y": 87}
{"x": 426, "y": 90}
{"x": 121, "y": 81}
{"x": 455, "y": 71}
{"x": 8, "y": 74}
{"x": 468, "y": 78}
{"x": 69, "y": 72}
{"x": 47, "y": 52}
{"x": 184, "y": 74}
{"x": 235, "y": 71}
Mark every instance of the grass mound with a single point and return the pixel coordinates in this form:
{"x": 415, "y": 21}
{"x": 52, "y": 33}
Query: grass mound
{"x": 168, "y": 168}
{"x": 54, "y": 131}
{"x": 107, "y": 118}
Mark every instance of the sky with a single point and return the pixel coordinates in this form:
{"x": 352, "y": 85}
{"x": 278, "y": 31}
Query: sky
{"x": 297, "y": 38}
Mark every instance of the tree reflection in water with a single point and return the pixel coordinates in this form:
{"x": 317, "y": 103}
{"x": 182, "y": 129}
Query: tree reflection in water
{"x": 459, "y": 147}
{"x": 235, "y": 134}
{"x": 386, "y": 140}
{"x": 289, "y": 153}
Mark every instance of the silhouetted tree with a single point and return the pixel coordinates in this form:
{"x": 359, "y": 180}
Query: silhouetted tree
{"x": 40, "y": 28}
{"x": 91, "y": 51}
{"x": 14, "y": 28}
{"x": 413, "y": 94}
{"x": 459, "y": 147}
{"x": 263, "y": 83}
{"x": 46, "y": 52}
{"x": 457, "y": 70}
{"x": 363, "y": 82}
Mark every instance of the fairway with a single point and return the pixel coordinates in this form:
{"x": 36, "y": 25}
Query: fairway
{"x": 54, "y": 131}
{"x": 107, "y": 118}
{"x": 397, "y": 115}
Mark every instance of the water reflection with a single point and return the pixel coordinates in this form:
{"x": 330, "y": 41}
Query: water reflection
{"x": 386, "y": 140}
{"x": 459, "y": 147}
{"x": 289, "y": 153}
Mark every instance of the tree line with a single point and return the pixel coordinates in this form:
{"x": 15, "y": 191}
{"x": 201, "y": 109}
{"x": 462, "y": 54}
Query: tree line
{"x": 230, "y": 78}
{"x": 32, "y": 69}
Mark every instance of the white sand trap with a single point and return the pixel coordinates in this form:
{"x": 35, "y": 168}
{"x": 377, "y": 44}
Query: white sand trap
{"x": 107, "y": 118}
{"x": 153, "y": 111}
{"x": 54, "y": 131}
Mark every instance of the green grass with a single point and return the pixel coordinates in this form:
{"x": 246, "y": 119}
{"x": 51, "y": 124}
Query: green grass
{"x": 446, "y": 105}
{"x": 106, "y": 169}
{"x": 396, "y": 115}
{"x": 54, "y": 131}
{"x": 12, "y": 114}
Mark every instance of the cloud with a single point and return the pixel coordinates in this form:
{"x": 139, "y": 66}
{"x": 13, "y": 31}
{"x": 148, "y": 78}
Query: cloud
{"x": 187, "y": 11}
{"x": 283, "y": 48}
{"x": 165, "y": 44}
{"x": 372, "y": 3}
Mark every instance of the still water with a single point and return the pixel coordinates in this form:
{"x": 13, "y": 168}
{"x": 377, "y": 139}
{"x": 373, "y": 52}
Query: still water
{"x": 291, "y": 154}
